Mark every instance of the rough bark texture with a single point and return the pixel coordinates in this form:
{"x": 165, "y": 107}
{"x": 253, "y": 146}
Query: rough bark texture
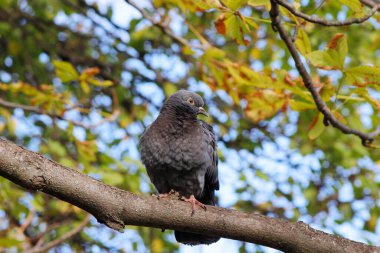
{"x": 117, "y": 208}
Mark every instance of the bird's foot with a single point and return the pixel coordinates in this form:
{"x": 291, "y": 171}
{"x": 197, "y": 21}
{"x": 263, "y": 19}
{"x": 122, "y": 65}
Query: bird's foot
{"x": 194, "y": 202}
{"x": 166, "y": 195}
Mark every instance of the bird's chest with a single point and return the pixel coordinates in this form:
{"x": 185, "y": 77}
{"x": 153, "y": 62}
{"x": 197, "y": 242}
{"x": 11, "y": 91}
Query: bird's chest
{"x": 179, "y": 150}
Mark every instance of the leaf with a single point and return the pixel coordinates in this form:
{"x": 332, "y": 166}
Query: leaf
{"x": 300, "y": 106}
{"x": 214, "y": 53}
{"x": 56, "y": 148}
{"x": 9, "y": 242}
{"x": 363, "y": 92}
{"x": 100, "y": 83}
{"x": 236, "y": 27}
{"x": 65, "y": 71}
{"x": 354, "y": 5}
{"x": 235, "y": 4}
{"x": 303, "y": 43}
{"x": 323, "y": 60}
{"x": 169, "y": 88}
{"x": 220, "y": 25}
{"x": 251, "y": 23}
{"x": 264, "y": 104}
{"x": 333, "y": 56}
{"x": 316, "y": 127}
{"x": 208, "y": 4}
{"x": 112, "y": 178}
{"x": 363, "y": 75}
{"x": 256, "y": 3}
{"x": 85, "y": 87}
{"x": 339, "y": 44}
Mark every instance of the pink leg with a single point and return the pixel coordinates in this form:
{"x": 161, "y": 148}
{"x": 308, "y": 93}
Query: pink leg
{"x": 193, "y": 202}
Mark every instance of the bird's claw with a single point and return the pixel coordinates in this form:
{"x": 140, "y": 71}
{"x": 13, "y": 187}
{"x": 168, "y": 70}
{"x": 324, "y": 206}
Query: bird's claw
{"x": 194, "y": 202}
{"x": 166, "y": 195}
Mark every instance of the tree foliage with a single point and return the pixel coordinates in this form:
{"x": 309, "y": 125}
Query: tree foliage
{"x": 80, "y": 80}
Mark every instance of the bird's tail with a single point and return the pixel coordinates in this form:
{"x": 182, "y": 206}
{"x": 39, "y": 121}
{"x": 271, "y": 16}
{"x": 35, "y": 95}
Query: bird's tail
{"x": 193, "y": 239}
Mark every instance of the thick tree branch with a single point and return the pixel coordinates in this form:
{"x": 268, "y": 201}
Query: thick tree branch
{"x": 329, "y": 117}
{"x": 117, "y": 208}
{"x": 325, "y": 22}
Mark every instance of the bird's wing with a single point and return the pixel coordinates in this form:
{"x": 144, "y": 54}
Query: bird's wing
{"x": 211, "y": 178}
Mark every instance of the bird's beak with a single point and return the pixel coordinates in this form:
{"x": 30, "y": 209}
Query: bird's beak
{"x": 202, "y": 111}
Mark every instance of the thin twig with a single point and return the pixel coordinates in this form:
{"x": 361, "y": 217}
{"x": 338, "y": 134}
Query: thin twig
{"x": 28, "y": 220}
{"x": 369, "y": 3}
{"x": 325, "y": 22}
{"x": 34, "y": 109}
{"x": 61, "y": 239}
{"x": 163, "y": 27}
{"x": 329, "y": 118}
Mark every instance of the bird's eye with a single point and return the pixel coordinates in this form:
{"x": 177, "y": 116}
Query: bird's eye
{"x": 190, "y": 101}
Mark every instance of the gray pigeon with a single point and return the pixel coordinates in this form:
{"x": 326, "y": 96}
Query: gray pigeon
{"x": 179, "y": 153}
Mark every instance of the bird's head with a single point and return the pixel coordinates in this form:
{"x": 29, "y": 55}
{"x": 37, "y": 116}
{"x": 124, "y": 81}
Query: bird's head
{"x": 185, "y": 103}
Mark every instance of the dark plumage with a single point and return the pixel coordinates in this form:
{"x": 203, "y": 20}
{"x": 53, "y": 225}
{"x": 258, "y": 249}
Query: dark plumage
{"x": 179, "y": 152}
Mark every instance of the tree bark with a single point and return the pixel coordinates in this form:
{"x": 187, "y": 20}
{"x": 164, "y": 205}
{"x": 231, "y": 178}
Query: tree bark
{"x": 117, "y": 208}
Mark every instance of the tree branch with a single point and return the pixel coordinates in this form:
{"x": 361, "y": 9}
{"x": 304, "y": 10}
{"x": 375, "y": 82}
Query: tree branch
{"x": 37, "y": 110}
{"x": 329, "y": 117}
{"x": 163, "y": 27}
{"x": 117, "y": 208}
{"x": 325, "y": 22}
{"x": 61, "y": 239}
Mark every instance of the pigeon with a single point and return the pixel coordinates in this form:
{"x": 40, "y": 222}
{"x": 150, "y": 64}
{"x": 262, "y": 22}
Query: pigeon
{"x": 179, "y": 153}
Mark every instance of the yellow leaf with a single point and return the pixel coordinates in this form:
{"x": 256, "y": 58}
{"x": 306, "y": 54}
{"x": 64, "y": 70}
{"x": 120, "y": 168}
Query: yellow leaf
{"x": 85, "y": 87}
{"x": 264, "y": 104}
{"x": 303, "y": 43}
{"x": 316, "y": 127}
{"x": 65, "y": 71}
{"x": 363, "y": 75}
{"x": 99, "y": 83}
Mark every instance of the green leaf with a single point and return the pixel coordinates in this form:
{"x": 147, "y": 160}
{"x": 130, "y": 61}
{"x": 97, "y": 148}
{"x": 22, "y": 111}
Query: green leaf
{"x": 339, "y": 44}
{"x": 56, "y": 148}
{"x": 323, "y": 60}
{"x": 65, "y": 71}
{"x": 235, "y": 4}
{"x": 236, "y": 28}
{"x": 333, "y": 56}
{"x": 251, "y": 23}
{"x": 316, "y": 127}
{"x": 300, "y": 106}
{"x": 100, "y": 83}
{"x": 256, "y": 3}
{"x": 112, "y": 178}
{"x": 214, "y": 53}
{"x": 303, "y": 43}
{"x": 363, "y": 75}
